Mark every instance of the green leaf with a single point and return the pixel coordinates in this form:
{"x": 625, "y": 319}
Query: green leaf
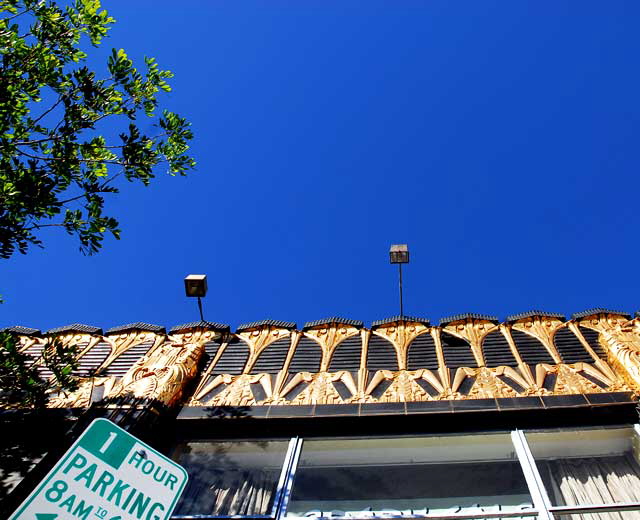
{"x": 56, "y": 168}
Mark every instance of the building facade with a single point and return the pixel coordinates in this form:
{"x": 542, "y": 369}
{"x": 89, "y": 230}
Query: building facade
{"x": 471, "y": 418}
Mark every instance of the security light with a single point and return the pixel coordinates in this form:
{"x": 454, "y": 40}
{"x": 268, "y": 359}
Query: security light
{"x": 399, "y": 254}
{"x": 196, "y": 285}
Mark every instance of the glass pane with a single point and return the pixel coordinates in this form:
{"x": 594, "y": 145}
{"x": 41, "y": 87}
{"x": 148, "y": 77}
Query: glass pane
{"x": 588, "y": 466}
{"x": 623, "y": 515}
{"x": 230, "y": 478}
{"x": 428, "y": 475}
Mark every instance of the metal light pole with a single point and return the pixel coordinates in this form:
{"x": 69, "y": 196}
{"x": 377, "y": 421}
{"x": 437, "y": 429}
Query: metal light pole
{"x": 196, "y": 285}
{"x": 399, "y": 254}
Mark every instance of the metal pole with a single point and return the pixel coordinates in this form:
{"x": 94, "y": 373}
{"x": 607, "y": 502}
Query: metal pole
{"x": 400, "y": 272}
{"x": 200, "y": 307}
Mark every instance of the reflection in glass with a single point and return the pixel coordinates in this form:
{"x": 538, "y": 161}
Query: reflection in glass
{"x": 588, "y": 466}
{"x": 230, "y": 478}
{"x": 430, "y": 475}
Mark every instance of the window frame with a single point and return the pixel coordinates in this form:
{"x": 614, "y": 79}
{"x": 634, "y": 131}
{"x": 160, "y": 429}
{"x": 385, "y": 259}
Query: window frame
{"x": 559, "y": 511}
{"x": 542, "y": 507}
{"x": 283, "y": 479}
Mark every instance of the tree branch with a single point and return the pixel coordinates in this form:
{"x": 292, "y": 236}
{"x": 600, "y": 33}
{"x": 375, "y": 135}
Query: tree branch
{"x": 39, "y": 226}
{"x": 35, "y": 121}
{"x": 16, "y": 15}
{"x": 35, "y": 141}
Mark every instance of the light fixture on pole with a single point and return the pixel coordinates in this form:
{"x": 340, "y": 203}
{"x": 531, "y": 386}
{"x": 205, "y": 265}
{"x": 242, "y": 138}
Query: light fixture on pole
{"x": 195, "y": 285}
{"x": 399, "y": 254}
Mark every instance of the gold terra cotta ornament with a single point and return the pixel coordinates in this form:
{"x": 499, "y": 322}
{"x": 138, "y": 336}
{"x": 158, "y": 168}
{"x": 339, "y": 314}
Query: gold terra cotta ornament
{"x": 171, "y": 362}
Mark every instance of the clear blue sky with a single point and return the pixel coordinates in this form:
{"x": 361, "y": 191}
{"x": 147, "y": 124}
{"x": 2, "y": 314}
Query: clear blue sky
{"x": 498, "y": 139}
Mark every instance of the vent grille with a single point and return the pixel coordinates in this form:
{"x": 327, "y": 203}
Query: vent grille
{"x": 592, "y": 338}
{"x": 531, "y": 350}
{"x": 92, "y": 360}
{"x": 34, "y": 351}
{"x": 570, "y": 348}
{"x": 422, "y": 353}
{"x": 381, "y": 354}
{"x": 496, "y": 351}
{"x": 43, "y": 371}
{"x": 210, "y": 350}
{"x": 347, "y": 355}
{"x": 272, "y": 358}
{"x": 307, "y": 356}
{"x": 233, "y": 358}
{"x": 126, "y": 360}
{"x": 457, "y": 352}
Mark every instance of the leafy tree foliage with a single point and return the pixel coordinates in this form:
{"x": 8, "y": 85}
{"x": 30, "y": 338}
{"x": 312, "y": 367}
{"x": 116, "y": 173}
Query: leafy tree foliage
{"x": 56, "y": 165}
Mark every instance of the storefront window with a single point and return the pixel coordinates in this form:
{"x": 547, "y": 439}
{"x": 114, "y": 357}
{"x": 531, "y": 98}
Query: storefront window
{"x": 444, "y": 475}
{"x": 588, "y": 467}
{"x": 231, "y": 477}
{"x": 577, "y": 474}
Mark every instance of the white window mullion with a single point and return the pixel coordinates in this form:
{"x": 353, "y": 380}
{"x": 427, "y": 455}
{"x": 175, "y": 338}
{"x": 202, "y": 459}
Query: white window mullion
{"x": 536, "y": 487}
{"x": 293, "y": 442}
{"x": 289, "y": 470}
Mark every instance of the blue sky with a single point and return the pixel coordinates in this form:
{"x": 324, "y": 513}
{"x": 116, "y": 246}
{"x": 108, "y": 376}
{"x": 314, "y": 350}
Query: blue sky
{"x": 498, "y": 139}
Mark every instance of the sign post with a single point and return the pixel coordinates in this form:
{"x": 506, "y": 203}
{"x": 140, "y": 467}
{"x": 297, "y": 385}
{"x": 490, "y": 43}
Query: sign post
{"x": 107, "y": 474}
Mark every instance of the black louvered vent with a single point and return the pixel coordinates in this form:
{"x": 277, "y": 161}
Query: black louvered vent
{"x": 34, "y": 352}
{"x": 422, "y": 353}
{"x": 570, "y": 348}
{"x": 592, "y": 338}
{"x": 457, "y": 352}
{"x": 233, "y": 358}
{"x": 307, "y": 356}
{"x": 125, "y": 361}
{"x": 44, "y": 372}
{"x": 531, "y": 350}
{"x": 497, "y": 351}
{"x": 89, "y": 362}
{"x": 381, "y": 354}
{"x": 272, "y": 358}
{"x": 347, "y": 355}
{"x": 210, "y": 350}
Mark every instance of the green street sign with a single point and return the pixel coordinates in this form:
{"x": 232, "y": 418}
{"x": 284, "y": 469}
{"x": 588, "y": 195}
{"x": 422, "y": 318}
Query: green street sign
{"x": 107, "y": 474}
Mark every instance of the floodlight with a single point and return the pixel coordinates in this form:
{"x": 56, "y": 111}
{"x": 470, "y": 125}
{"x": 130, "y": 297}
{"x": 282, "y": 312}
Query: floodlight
{"x": 196, "y": 285}
{"x": 399, "y": 254}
